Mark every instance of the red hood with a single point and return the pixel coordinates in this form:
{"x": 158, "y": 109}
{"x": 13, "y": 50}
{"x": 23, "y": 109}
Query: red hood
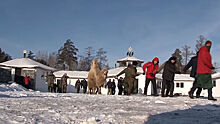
{"x": 155, "y": 59}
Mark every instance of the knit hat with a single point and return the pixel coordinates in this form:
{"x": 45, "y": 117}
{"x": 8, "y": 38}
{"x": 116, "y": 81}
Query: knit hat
{"x": 208, "y": 42}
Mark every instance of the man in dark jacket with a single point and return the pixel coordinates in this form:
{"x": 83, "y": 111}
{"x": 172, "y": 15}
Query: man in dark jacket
{"x": 113, "y": 87}
{"x": 168, "y": 77}
{"x": 120, "y": 86}
{"x": 109, "y": 86}
{"x": 84, "y": 85}
{"x": 78, "y": 85}
{"x": 193, "y": 63}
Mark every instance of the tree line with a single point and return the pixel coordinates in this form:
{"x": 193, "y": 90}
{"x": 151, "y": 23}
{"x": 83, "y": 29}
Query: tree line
{"x": 66, "y": 58}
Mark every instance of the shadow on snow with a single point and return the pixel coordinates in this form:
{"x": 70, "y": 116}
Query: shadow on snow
{"x": 199, "y": 114}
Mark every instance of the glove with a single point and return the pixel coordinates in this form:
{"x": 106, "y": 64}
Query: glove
{"x": 212, "y": 68}
{"x": 152, "y": 74}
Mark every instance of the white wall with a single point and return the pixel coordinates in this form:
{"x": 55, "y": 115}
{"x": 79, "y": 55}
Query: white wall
{"x": 41, "y": 84}
{"x": 185, "y": 89}
{"x": 216, "y": 89}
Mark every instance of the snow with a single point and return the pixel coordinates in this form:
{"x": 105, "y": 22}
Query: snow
{"x": 19, "y": 105}
{"x": 25, "y": 63}
{"x": 130, "y": 58}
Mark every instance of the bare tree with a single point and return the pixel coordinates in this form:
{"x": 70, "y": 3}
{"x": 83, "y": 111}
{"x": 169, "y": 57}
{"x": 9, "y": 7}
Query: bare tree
{"x": 186, "y": 53}
{"x": 200, "y": 42}
{"x": 85, "y": 61}
{"x": 102, "y": 58}
{"x": 52, "y": 60}
{"x": 42, "y": 57}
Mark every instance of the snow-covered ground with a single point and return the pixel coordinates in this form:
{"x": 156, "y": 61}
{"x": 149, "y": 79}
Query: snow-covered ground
{"x": 18, "y": 105}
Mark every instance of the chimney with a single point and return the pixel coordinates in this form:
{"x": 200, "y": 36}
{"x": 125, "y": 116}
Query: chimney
{"x": 25, "y": 51}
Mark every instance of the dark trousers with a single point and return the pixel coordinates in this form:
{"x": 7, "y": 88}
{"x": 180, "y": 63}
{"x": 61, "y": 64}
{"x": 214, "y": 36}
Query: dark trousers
{"x": 84, "y": 89}
{"x": 50, "y": 88}
{"x": 194, "y": 87}
{"x": 153, "y": 81}
{"x": 120, "y": 90}
{"x": 210, "y": 93}
{"x": 170, "y": 87}
{"x": 78, "y": 89}
{"x": 113, "y": 91}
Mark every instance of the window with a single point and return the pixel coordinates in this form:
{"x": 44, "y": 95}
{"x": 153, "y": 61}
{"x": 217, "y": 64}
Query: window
{"x": 182, "y": 85}
{"x": 177, "y": 84}
{"x": 214, "y": 83}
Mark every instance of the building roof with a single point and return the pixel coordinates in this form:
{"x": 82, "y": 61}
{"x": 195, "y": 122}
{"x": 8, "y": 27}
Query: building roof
{"x": 130, "y": 58}
{"x": 72, "y": 74}
{"x": 115, "y": 71}
{"x": 25, "y": 63}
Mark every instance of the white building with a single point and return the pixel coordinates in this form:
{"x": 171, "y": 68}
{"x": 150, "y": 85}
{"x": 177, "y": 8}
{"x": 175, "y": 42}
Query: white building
{"x": 19, "y": 68}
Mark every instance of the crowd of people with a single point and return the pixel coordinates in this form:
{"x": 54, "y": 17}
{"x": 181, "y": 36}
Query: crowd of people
{"x": 201, "y": 71}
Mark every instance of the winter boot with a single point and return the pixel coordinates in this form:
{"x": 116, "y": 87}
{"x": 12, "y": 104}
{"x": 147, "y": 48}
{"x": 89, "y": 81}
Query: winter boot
{"x": 190, "y": 95}
{"x": 210, "y": 97}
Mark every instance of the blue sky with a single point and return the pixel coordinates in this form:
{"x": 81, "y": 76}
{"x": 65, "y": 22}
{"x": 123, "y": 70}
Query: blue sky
{"x": 151, "y": 27}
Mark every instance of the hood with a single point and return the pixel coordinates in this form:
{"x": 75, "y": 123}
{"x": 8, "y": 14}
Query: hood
{"x": 155, "y": 59}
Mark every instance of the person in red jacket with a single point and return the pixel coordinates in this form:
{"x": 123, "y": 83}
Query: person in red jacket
{"x": 150, "y": 75}
{"x": 204, "y": 69}
{"x": 27, "y": 80}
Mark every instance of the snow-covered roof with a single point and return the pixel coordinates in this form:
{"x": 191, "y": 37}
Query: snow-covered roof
{"x": 178, "y": 77}
{"x": 25, "y": 63}
{"x": 216, "y": 75}
{"x": 72, "y": 74}
{"x": 115, "y": 71}
{"x": 128, "y": 58}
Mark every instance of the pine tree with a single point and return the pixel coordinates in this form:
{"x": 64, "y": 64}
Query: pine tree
{"x": 67, "y": 56}
{"x": 31, "y": 55}
{"x": 4, "y": 56}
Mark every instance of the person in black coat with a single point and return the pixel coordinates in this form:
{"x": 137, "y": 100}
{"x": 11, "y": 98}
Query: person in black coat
{"x": 109, "y": 85}
{"x": 84, "y": 85}
{"x": 113, "y": 87}
{"x": 193, "y": 63}
{"x": 168, "y": 77}
{"x": 120, "y": 86}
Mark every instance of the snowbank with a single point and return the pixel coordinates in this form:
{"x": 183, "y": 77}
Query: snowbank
{"x": 12, "y": 87}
